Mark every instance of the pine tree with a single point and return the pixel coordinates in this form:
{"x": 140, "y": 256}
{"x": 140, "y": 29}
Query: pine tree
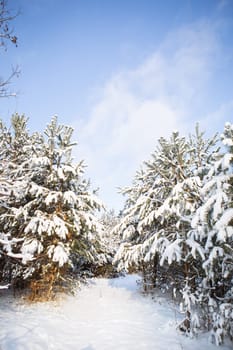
{"x": 16, "y": 148}
{"x": 213, "y": 223}
{"x": 50, "y": 214}
{"x": 158, "y": 237}
{"x": 110, "y": 243}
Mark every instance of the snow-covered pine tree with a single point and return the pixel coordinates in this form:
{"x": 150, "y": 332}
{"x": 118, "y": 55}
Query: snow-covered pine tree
{"x": 16, "y": 146}
{"x": 110, "y": 241}
{"x": 183, "y": 249}
{"x": 213, "y": 224}
{"x": 156, "y": 225}
{"x": 145, "y": 239}
{"x": 51, "y": 212}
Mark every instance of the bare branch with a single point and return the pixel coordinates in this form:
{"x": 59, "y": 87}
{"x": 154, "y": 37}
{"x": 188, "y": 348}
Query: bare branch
{"x": 4, "y": 84}
{"x": 6, "y": 35}
{"x": 6, "y": 32}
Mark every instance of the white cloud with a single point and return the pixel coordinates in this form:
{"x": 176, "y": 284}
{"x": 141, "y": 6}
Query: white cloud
{"x": 137, "y": 107}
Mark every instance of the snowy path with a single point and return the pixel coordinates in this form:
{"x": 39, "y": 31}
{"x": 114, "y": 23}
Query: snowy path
{"x": 108, "y": 315}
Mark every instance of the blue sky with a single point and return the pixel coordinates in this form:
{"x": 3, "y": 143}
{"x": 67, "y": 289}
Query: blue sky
{"x": 122, "y": 73}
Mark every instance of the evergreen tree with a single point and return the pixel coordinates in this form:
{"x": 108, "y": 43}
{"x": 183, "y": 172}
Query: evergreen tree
{"x": 158, "y": 233}
{"x": 50, "y": 212}
{"x": 110, "y": 243}
{"x": 16, "y": 147}
{"x": 213, "y": 224}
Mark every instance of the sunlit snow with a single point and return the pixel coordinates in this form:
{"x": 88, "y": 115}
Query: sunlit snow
{"x": 105, "y": 315}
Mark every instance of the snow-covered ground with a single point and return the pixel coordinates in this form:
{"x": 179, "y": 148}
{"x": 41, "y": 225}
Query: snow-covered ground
{"x": 106, "y": 315}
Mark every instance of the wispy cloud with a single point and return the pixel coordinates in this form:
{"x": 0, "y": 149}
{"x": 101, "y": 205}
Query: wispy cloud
{"x": 137, "y": 107}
